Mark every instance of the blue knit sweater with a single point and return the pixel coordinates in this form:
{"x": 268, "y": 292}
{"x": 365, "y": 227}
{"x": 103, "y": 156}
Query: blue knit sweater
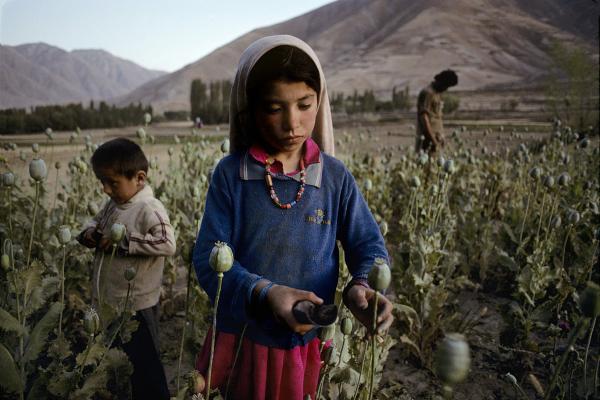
{"x": 294, "y": 247}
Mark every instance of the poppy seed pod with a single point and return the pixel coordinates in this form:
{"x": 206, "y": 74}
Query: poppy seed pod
{"x": 584, "y": 143}
{"x": 117, "y": 232}
{"x": 368, "y": 185}
{"x": 383, "y": 227}
{"x": 221, "y": 257}
{"x": 449, "y": 167}
{"x": 129, "y": 273}
{"x": 589, "y": 300}
{"x": 346, "y": 325}
{"x": 415, "y": 182}
{"x": 91, "y": 321}
{"x": 441, "y": 161}
{"x": 196, "y": 382}
{"x": 380, "y": 275}
{"x": 35, "y": 147}
{"x": 573, "y": 217}
{"x": 93, "y": 208}
{"x": 64, "y": 234}
{"x": 57, "y": 165}
{"x": 37, "y": 169}
{"x": 5, "y": 262}
{"x": 563, "y": 179}
{"x": 453, "y": 359}
{"x": 535, "y": 173}
{"x": 556, "y": 222}
{"x": 423, "y": 158}
{"x": 548, "y": 181}
{"x": 8, "y": 179}
{"x": 147, "y": 118}
{"x": 225, "y": 146}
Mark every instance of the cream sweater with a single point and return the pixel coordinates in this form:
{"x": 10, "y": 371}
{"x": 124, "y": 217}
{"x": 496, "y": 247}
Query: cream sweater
{"x": 149, "y": 239}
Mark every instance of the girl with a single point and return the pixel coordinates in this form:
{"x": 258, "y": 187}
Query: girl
{"x": 280, "y": 201}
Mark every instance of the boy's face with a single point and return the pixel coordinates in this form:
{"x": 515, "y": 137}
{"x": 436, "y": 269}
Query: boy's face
{"x": 119, "y": 187}
{"x": 286, "y": 116}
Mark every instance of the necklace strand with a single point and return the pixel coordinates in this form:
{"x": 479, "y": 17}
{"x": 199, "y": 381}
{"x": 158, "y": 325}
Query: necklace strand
{"x": 271, "y": 189}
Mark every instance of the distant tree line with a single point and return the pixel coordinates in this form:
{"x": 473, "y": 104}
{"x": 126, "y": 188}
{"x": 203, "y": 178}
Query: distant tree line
{"x": 71, "y": 116}
{"x": 210, "y": 102}
{"x": 366, "y": 102}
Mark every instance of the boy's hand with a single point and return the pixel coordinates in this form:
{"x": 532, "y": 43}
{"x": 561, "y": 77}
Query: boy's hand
{"x": 282, "y": 298}
{"x": 88, "y": 238}
{"x": 104, "y": 244}
{"x": 360, "y": 301}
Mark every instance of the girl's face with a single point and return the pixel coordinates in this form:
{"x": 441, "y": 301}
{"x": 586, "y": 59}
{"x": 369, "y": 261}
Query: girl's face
{"x": 285, "y": 116}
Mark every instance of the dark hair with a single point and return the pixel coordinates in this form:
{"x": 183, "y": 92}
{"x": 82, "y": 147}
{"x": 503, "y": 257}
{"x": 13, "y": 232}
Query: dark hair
{"x": 446, "y": 78}
{"x": 286, "y": 63}
{"x": 281, "y": 63}
{"x": 122, "y": 156}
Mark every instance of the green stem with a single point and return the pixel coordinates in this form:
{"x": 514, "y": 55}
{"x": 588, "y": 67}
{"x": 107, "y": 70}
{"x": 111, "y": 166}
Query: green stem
{"x": 121, "y": 323}
{"x": 35, "y": 207}
{"x": 55, "y": 190}
{"x": 537, "y": 235}
{"x": 214, "y": 333}
{"x": 85, "y": 356}
{"x": 237, "y": 353}
{"x": 341, "y": 350}
{"x": 360, "y": 372}
{"x": 572, "y": 337}
{"x": 98, "y": 280}
{"x": 10, "y": 211}
{"x": 373, "y": 343}
{"x": 321, "y": 381}
{"x": 587, "y": 349}
{"x": 62, "y": 289}
{"x": 526, "y": 212}
{"x": 565, "y": 246}
{"x": 185, "y": 320}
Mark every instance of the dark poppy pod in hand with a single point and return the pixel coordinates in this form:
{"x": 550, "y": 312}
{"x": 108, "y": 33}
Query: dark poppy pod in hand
{"x": 221, "y": 257}
{"x": 380, "y": 275}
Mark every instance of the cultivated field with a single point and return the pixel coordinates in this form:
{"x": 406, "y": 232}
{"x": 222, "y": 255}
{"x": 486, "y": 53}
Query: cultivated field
{"x": 496, "y": 240}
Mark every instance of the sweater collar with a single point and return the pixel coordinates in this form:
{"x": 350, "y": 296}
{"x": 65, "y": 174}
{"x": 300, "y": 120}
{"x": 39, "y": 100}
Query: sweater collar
{"x": 145, "y": 193}
{"x": 252, "y": 165}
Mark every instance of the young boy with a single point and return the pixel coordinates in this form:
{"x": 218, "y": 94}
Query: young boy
{"x": 121, "y": 167}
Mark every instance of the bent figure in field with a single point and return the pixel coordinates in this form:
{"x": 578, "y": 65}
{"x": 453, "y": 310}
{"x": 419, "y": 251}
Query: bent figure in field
{"x": 430, "y": 128}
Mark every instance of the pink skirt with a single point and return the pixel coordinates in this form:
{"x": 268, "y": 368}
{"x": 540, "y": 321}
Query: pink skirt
{"x": 261, "y": 372}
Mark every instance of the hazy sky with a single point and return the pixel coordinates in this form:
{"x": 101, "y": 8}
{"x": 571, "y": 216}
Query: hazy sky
{"x": 157, "y": 34}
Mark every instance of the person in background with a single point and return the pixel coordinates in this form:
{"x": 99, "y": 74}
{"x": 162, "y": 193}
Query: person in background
{"x": 430, "y": 127}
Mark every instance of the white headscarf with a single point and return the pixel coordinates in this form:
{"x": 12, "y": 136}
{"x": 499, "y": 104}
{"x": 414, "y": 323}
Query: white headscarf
{"x": 323, "y": 131}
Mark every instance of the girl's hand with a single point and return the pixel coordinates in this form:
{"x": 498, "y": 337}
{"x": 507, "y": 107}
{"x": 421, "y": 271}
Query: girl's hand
{"x": 360, "y": 301}
{"x": 282, "y": 298}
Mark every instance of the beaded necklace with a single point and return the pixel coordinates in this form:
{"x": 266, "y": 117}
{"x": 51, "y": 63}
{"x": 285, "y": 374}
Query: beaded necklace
{"x": 269, "y": 182}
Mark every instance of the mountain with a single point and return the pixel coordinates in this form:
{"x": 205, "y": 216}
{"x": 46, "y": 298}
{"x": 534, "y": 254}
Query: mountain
{"x": 379, "y": 44}
{"x": 37, "y": 73}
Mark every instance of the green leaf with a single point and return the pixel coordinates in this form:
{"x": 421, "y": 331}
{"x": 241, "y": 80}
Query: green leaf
{"x": 39, "y": 334}
{"x": 9, "y": 378}
{"x": 10, "y": 323}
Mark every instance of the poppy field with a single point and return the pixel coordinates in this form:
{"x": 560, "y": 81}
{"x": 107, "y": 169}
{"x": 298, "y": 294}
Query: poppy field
{"x": 493, "y": 274}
